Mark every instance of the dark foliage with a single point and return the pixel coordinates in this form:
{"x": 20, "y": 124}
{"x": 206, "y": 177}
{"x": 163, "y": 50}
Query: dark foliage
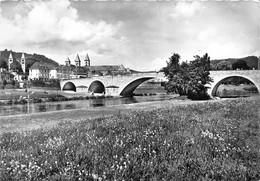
{"x": 252, "y": 62}
{"x": 16, "y": 66}
{"x": 236, "y": 81}
{"x": 188, "y": 78}
{"x": 240, "y": 64}
{"x": 37, "y": 83}
{"x": 223, "y": 65}
{"x": 3, "y": 64}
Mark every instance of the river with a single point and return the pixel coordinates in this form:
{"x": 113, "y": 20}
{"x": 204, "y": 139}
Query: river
{"x": 17, "y": 109}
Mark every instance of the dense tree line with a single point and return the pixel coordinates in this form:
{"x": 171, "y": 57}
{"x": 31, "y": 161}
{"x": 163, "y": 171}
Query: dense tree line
{"x": 188, "y": 78}
{"x": 231, "y": 65}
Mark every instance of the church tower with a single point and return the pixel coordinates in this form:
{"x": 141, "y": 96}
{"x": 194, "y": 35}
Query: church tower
{"x": 87, "y": 61}
{"x": 23, "y": 62}
{"x": 67, "y": 62}
{"x": 77, "y": 61}
{"x": 10, "y": 61}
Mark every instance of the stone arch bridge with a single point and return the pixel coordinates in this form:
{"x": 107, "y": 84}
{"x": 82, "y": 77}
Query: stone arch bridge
{"x": 125, "y": 85}
{"x": 110, "y": 85}
{"x": 219, "y": 76}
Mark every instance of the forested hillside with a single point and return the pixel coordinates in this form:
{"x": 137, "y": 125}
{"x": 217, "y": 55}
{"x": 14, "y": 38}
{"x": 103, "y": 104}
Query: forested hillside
{"x": 225, "y": 64}
{"x": 30, "y": 59}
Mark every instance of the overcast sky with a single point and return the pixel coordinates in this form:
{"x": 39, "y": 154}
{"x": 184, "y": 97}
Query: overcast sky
{"x": 139, "y": 35}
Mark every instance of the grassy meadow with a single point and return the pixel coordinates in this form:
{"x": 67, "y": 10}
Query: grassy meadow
{"x": 216, "y": 140}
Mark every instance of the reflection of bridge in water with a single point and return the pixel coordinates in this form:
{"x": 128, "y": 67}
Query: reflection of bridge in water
{"x": 125, "y": 85}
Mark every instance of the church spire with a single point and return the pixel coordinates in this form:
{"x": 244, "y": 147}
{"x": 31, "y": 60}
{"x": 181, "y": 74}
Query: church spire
{"x": 87, "y": 61}
{"x": 67, "y": 62}
{"x": 77, "y": 61}
{"x": 23, "y": 57}
{"x": 10, "y": 60}
{"x": 10, "y": 56}
{"x": 23, "y": 62}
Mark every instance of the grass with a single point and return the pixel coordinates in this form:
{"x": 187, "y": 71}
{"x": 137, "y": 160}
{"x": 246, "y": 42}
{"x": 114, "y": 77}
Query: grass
{"x": 204, "y": 141}
{"x": 11, "y": 94}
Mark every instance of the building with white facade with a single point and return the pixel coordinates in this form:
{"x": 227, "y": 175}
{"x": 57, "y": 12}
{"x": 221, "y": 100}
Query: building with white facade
{"x": 42, "y": 71}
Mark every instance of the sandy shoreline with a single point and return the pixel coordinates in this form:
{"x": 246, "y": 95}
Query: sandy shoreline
{"x": 48, "y": 119}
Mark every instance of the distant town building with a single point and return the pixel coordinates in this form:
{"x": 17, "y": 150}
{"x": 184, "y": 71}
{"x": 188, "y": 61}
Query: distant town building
{"x": 9, "y": 74}
{"x": 90, "y": 71}
{"x": 42, "y": 71}
{"x": 108, "y": 70}
{"x": 22, "y": 61}
{"x": 5, "y": 75}
{"x": 79, "y": 72}
{"x": 64, "y": 71}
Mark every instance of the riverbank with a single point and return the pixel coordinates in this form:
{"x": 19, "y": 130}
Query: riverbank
{"x": 168, "y": 140}
{"x": 23, "y": 96}
{"x": 48, "y": 119}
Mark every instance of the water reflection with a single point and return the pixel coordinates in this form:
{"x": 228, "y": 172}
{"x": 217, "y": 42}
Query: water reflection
{"x": 67, "y": 106}
{"x": 42, "y": 108}
{"x": 78, "y": 104}
{"x": 97, "y": 103}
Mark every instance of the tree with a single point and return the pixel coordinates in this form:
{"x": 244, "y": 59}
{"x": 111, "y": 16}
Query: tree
{"x": 13, "y": 83}
{"x": 199, "y": 75}
{"x": 224, "y": 65}
{"x": 188, "y": 78}
{"x": 16, "y": 66}
{"x": 24, "y": 77}
{"x": 240, "y": 64}
{"x": 4, "y": 83}
{"x": 3, "y": 64}
{"x": 176, "y": 75}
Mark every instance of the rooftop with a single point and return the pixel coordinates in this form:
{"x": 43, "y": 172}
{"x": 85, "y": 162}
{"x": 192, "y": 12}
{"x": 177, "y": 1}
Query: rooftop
{"x": 42, "y": 65}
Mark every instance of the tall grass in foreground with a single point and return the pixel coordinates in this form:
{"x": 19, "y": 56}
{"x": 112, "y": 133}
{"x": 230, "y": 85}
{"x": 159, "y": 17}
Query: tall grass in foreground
{"x": 205, "y": 141}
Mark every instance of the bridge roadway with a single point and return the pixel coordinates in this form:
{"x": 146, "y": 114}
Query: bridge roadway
{"x": 125, "y": 85}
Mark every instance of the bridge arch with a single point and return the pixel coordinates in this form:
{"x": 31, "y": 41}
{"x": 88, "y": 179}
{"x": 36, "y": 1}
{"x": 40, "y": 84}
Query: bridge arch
{"x": 218, "y": 82}
{"x": 96, "y": 87}
{"x": 128, "y": 89}
{"x": 69, "y": 86}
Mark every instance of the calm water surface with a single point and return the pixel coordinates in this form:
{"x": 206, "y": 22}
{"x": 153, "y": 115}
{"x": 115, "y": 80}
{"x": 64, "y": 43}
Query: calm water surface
{"x": 29, "y": 108}
{"x": 78, "y": 104}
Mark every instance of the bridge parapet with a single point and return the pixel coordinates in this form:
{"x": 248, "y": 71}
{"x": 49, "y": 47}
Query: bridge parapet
{"x": 255, "y": 73}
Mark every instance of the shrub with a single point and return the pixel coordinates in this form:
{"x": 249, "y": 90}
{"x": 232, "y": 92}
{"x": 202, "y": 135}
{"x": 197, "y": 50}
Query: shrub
{"x": 251, "y": 89}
